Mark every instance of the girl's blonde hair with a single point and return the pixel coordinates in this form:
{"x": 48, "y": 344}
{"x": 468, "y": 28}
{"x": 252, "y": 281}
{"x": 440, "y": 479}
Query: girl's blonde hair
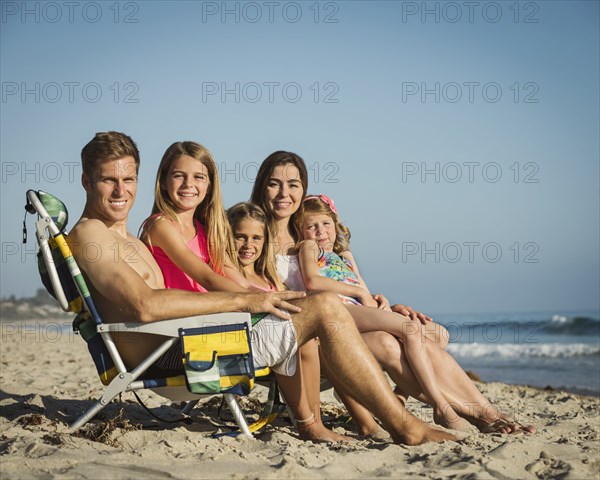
{"x": 316, "y": 205}
{"x": 265, "y": 265}
{"x": 210, "y": 213}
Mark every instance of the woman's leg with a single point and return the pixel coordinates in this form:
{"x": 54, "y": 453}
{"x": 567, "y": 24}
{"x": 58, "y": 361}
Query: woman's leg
{"x": 455, "y": 385}
{"x": 465, "y": 397}
{"x": 413, "y": 340}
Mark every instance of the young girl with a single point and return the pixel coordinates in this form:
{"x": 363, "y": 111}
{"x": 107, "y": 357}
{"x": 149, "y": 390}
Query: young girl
{"x": 253, "y": 246}
{"x": 188, "y": 222}
{"x": 327, "y": 264}
{"x": 252, "y": 236}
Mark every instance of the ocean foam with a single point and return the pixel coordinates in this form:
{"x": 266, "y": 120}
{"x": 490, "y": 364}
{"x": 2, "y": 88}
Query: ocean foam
{"x": 507, "y": 350}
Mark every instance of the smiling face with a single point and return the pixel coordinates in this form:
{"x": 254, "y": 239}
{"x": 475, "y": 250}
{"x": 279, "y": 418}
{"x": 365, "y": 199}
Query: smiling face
{"x": 187, "y": 183}
{"x": 111, "y": 190}
{"x": 284, "y": 191}
{"x": 249, "y": 238}
{"x": 321, "y": 229}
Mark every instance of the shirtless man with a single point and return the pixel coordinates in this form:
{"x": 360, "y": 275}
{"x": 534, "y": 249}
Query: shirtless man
{"x": 126, "y": 283}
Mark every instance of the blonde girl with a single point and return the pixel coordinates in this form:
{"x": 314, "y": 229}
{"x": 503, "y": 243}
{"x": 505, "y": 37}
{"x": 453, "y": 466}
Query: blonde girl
{"x": 327, "y": 264}
{"x": 253, "y": 245}
{"x": 188, "y": 222}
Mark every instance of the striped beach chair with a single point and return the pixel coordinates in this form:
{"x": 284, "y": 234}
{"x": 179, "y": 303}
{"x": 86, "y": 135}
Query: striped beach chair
{"x": 63, "y": 280}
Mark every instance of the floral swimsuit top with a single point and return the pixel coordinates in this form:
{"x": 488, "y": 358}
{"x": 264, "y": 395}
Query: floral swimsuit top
{"x": 340, "y": 269}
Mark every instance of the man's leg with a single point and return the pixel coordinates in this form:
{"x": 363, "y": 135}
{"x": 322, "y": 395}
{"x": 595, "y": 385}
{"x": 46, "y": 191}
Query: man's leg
{"x": 352, "y": 363}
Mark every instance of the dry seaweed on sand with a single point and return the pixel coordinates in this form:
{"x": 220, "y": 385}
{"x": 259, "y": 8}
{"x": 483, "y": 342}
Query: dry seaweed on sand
{"x": 102, "y": 431}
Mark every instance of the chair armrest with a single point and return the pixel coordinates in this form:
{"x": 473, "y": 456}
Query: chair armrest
{"x": 170, "y": 328}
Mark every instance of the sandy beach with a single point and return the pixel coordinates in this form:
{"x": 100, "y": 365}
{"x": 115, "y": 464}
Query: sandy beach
{"x": 47, "y": 378}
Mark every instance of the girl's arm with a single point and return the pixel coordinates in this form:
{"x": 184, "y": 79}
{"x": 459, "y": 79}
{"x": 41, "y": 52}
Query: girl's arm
{"x": 235, "y": 275}
{"x": 167, "y": 236}
{"x": 382, "y": 302}
{"x": 309, "y": 255}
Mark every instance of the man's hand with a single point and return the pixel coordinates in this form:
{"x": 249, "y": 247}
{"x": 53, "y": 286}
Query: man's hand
{"x": 411, "y": 313}
{"x": 272, "y": 302}
{"x": 382, "y": 302}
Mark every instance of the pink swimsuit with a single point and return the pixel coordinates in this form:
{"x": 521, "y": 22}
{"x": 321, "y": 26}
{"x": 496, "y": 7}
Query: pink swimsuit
{"x": 176, "y": 278}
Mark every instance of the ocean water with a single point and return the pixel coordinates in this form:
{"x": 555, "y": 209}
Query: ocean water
{"x": 561, "y": 350}
{"x": 557, "y": 349}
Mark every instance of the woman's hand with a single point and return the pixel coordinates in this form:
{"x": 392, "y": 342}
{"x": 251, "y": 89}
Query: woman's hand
{"x": 411, "y": 313}
{"x": 382, "y": 302}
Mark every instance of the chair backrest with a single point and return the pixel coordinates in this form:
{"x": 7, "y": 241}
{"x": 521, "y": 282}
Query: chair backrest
{"x": 60, "y": 275}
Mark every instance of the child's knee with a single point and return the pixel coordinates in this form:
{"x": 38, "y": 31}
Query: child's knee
{"x": 436, "y": 333}
{"x": 412, "y": 331}
{"x": 442, "y": 335}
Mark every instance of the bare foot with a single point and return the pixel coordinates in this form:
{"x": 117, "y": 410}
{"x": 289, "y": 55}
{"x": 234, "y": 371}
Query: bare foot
{"x": 515, "y": 426}
{"x": 416, "y": 432}
{"x": 317, "y": 432}
{"x": 430, "y": 435}
{"x": 501, "y": 423}
{"x": 367, "y": 426}
{"x": 453, "y": 422}
{"x": 372, "y": 430}
{"x": 378, "y": 434}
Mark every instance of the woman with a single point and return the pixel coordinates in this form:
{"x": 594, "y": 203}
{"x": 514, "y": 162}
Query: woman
{"x": 279, "y": 188}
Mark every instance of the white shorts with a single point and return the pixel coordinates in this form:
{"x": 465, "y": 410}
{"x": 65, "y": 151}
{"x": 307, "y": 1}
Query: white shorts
{"x": 274, "y": 345}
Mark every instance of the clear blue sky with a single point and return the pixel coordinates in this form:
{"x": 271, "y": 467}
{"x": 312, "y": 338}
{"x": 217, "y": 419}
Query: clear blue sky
{"x": 446, "y": 136}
